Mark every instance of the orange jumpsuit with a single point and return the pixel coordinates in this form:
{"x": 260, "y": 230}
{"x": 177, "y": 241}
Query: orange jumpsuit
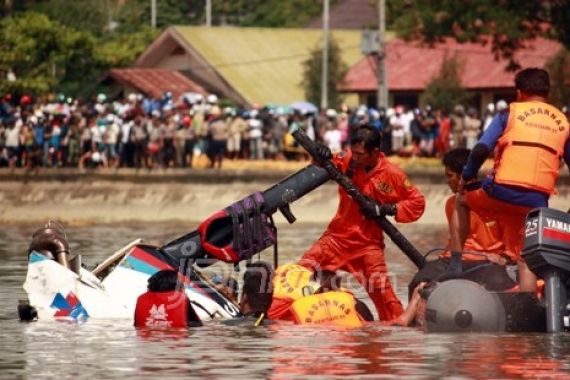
{"x": 484, "y": 236}
{"x": 355, "y": 244}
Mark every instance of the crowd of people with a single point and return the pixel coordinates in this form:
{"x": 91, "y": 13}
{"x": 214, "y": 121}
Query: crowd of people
{"x": 140, "y": 132}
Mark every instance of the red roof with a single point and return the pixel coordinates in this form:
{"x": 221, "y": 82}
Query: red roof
{"x": 411, "y": 67}
{"x": 155, "y": 82}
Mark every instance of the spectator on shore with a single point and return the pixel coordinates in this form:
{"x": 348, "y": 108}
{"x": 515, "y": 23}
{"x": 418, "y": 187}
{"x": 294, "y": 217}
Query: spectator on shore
{"x": 138, "y": 131}
{"x": 218, "y": 138}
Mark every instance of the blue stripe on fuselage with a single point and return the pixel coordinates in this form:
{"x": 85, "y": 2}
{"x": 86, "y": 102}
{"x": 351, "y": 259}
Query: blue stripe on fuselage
{"x": 140, "y": 266}
{"x": 36, "y": 257}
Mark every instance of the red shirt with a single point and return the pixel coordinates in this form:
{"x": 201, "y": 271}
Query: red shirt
{"x": 163, "y": 309}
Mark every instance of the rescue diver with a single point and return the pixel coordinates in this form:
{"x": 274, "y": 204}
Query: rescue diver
{"x": 165, "y": 305}
{"x": 353, "y": 241}
{"x": 531, "y": 137}
{"x": 256, "y": 295}
{"x": 484, "y": 257}
{"x": 257, "y": 291}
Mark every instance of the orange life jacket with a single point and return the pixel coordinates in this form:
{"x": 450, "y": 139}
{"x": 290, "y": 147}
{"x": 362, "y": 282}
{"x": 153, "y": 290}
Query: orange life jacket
{"x": 288, "y": 284}
{"x": 162, "y": 309}
{"x": 335, "y": 307}
{"x": 530, "y": 149}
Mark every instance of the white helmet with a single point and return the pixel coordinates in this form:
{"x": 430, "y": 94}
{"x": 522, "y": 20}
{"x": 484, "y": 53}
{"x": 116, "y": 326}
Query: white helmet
{"x": 212, "y": 99}
{"x": 502, "y": 105}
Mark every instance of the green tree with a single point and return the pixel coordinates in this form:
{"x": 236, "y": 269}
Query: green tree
{"x": 121, "y": 49}
{"x": 134, "y": 14}
{"x": 42, "y": 53}
{"x": 508, "y": 23}
{"x": 559, "y": 69}
{"x": 444, "y": 91}
{"x": 281, "y": 13}
{"x": 86, "y": 15}
{"x": 312, "y": 69}
{"x": 261, "y": 13}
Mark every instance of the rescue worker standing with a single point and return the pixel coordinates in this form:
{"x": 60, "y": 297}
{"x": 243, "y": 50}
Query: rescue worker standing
{"x": 531, "y": 137}
{"x": 353, "y": 241}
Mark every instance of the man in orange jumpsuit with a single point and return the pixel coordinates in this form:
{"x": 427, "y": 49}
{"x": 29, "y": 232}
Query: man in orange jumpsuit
{"x": 531, "y": 137}
{"x": 352, "y": 241}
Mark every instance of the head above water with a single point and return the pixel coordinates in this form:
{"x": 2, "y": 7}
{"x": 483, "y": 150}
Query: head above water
{"x": 532, "y": 82}
{"x": 365, "y": 146}
{"x": 454, "y": 161}
{"x": 328, "y": 280}
{"x": 164, "y": 281}
{"x": 257, "y": 290}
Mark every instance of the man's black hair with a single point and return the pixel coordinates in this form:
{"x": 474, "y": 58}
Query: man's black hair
{"x": 456, "y": 159}
{"x": 367, "y": 135}
{"x": 258, "y": 286}
{"x": 533, "y": 81}
{"x": 328, "y": 280}
{"x": 165, "y": 280}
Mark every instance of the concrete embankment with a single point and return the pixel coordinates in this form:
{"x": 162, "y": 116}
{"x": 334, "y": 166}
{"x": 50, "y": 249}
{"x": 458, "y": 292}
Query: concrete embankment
{"x": 111, "y": 196}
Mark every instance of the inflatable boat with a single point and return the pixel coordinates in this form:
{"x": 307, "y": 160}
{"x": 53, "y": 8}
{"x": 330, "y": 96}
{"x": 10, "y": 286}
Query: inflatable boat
{"x": 460, "y": 305}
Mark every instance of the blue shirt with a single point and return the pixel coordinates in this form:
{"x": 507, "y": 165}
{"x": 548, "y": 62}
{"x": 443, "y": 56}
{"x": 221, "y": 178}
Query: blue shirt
{"x": 39, "y": 134}
{"x": 510, "y": 194}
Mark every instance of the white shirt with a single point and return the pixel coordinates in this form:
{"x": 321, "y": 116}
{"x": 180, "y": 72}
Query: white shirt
{"x": 397, "y": 123}
{"x": 332, "y": 138}
{"x": 255, "y": 126}
{"x": 12, "y": 137}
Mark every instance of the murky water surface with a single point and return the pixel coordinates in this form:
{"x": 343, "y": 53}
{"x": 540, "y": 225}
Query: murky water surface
{"x": 101, "y": 349}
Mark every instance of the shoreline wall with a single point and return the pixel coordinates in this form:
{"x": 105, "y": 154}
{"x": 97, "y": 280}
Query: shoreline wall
{"x": 72, "y": 197}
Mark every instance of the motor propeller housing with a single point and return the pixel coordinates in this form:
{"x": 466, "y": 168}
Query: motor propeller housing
{"x": 463, "y": 306}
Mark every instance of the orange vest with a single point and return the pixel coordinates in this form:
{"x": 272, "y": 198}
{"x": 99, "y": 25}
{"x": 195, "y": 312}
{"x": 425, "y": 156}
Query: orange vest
{"x": 335, "y": 307}
{"x": 530, "y": 149}
{"x": 288, "y": 284}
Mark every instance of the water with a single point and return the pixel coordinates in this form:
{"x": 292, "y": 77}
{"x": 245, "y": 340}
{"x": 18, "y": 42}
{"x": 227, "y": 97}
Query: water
{"x": 110, "y": 349}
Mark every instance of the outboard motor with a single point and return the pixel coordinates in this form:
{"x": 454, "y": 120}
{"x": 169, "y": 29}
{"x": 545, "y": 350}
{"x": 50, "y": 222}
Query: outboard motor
{"x": 52, "y": 242}
{"x": 547, "y": 254}
{"x": 463, "y": 306}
